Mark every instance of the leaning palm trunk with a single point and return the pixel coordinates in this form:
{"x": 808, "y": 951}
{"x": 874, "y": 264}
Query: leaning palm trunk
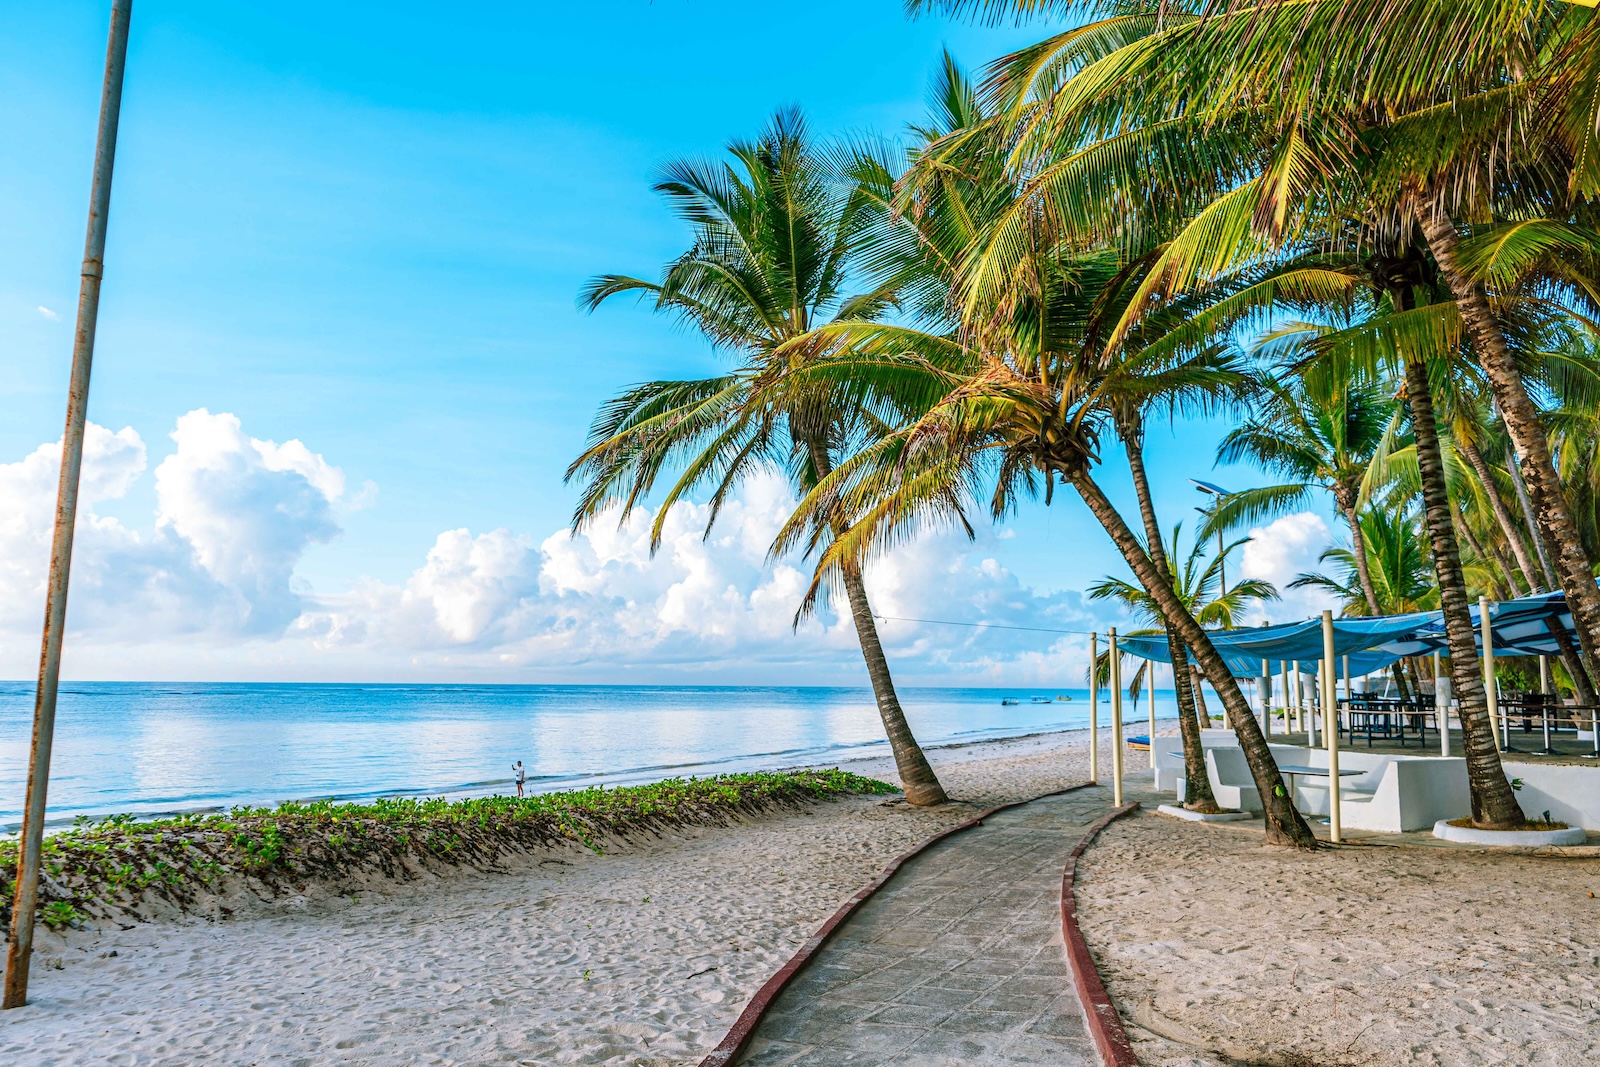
{"x": 1576, "y": 668}
{"x": 1502, "y": 514}
{"x": 1197, "y": 781}
{"x": 1557, "y": 527}
{"x": 921, "y": 785}
{"x": 1284, "y": 823}
{"x": 916, "y": 774}
{"x": 1514, "y": 467}
{"x": 1493, "y": 802}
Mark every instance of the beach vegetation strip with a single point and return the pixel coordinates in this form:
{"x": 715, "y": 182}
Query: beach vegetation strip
{"x": 116, "y": 864}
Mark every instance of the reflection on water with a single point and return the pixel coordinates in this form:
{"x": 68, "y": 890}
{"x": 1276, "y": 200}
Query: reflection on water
{"x": 150, "y": 747}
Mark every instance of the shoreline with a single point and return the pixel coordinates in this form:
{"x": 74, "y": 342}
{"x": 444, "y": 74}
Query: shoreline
{"x": 627, "y": 777}
{"x": 640, "y": 956}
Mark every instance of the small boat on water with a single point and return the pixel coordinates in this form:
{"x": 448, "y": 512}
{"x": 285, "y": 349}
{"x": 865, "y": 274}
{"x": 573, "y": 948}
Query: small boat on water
{"x": 1062, "y": 697}
{"x": 1040, "y": 700}
{"x": 1009, "y": 702}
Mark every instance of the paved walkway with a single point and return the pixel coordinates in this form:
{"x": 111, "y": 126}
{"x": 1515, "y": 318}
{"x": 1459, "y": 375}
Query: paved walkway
{"x": 957, "y": 960}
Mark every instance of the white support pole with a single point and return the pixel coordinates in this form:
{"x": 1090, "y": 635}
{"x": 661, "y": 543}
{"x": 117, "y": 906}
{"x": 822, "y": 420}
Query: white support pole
{"x": 1266, "y": 698}
{"x": 1347, "y": 691}
{"x": 1544, "y": 690}
{"x": 1299, "y": 698}
{"x": 1116, "y": 720}
{"x": 1094, "y": 709}
{"x": 1441, "y": 701}
{"x": 1330, "y": 727}
{"x": 1491, "y": 691}
{"x": 1283, "y": 673}
{"x": 1150, "y": 679}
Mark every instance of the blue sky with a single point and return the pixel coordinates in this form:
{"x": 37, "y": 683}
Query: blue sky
{"x": 362, "y": 226}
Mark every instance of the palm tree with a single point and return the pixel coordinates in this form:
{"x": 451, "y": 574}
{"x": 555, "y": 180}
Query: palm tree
{"x": 1251, "y": 158}
{"x": 1198, "y": 584}
{"x": 1319, "y": 428}
{"x": 777, "y": 232}
{"x": 1415, "y": 115}
{"x": 1022, "y": 402}
{"x": 1398, "y": 568}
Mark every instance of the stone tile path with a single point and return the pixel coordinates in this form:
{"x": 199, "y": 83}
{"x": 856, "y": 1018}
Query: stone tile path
{"x": 957, "y": 960}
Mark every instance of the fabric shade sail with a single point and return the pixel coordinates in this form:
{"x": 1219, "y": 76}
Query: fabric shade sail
{"x": 1521, "y": 628}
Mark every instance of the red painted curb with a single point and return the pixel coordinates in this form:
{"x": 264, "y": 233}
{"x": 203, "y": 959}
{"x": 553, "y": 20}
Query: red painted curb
{"x": 1105, "y": 1026}
{"x": 744, "y": 1027}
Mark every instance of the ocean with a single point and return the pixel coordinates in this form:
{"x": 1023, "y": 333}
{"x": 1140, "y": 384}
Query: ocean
{"x": 149, "y": 748}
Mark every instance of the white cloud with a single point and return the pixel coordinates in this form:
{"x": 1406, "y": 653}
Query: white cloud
{"x": 247, "y": 509}
{"x": 47, "y": 313}
{"x": 208, "y": 587}
{"x": 1282, "y": 551}
{"x": 233, "y": 517}
{"x": 598, "y": 605}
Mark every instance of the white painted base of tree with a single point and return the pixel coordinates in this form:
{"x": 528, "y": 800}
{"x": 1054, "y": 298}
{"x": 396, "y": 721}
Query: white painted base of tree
{"x": 1200, "y": 816}
{"x": 1469, "y": 835}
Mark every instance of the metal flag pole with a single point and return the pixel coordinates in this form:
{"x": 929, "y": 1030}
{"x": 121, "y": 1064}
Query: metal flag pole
{"x": 1330, "y": 727}
{"x": 1094, "y": 709}
{"x": 1116, "y": 720}
{"x": 25, "y": 901}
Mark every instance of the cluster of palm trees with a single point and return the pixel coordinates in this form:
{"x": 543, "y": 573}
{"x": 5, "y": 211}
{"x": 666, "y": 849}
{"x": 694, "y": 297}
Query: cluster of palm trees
{"x": 1362, "y": 229}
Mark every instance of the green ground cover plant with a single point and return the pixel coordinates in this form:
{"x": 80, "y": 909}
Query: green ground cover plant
{"x": 113, "y": 865}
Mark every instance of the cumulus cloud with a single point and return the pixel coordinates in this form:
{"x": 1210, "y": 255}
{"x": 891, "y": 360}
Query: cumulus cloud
{"x": 47, "y": 313}
{"x": 247, "y": 510}
{"x": 209, "y": 585}
{"x": 1282, "y": 551}
{"x": 598, "y": 603}
{"x": 233, "y": 517}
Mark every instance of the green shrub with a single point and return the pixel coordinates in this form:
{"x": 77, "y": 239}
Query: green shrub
{"x": 115, "y": 863}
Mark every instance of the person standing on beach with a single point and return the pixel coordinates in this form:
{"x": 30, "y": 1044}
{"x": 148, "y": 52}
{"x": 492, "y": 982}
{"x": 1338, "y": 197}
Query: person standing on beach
{"x": 521, "y": 776}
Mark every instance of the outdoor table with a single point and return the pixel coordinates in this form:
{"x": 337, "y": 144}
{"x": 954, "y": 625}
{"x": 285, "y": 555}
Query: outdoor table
{"x": 1313, "y": 772}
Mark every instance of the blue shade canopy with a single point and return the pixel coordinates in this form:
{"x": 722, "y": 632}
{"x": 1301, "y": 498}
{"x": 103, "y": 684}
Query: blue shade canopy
{"x": 1520, "y": 628}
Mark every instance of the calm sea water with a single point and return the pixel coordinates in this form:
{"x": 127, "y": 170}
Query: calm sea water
{"x": 146, "y": 747}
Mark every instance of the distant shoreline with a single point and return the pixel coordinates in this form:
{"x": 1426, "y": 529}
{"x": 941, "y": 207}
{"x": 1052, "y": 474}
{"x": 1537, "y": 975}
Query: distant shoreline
{"x": 491, "y": 787}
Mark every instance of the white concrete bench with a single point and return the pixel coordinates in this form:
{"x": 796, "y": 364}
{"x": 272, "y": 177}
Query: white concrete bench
{"x": 1400, "y": 793}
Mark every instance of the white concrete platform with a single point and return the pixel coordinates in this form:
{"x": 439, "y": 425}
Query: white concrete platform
{"x": 1467, "y": 835}
{"x": 1200, "y": 816}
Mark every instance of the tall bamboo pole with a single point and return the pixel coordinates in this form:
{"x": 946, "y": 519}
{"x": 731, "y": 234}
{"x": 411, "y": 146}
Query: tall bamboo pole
{"x": 1116, "y": 720}
{"x": 1094, "y": 709}
{"x": 1330, "y": 726}
{"x": 19, "y": 947}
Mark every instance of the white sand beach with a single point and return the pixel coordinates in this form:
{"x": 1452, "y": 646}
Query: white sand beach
{"x": 1215, "y": 948}
{"x": 1360, "y": 955}
{"x": 643, "y": 956}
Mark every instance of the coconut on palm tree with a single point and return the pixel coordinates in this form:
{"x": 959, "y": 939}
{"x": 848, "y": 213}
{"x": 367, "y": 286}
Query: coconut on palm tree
{"x": 777, "y": 233}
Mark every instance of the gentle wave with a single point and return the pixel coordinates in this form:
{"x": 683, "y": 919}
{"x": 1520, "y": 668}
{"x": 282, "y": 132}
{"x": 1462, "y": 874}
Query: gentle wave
{"x": 163, "y": 747}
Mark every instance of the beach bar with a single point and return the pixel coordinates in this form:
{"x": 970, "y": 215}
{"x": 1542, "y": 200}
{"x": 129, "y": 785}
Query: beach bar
{"x": 1396, "y": 791}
